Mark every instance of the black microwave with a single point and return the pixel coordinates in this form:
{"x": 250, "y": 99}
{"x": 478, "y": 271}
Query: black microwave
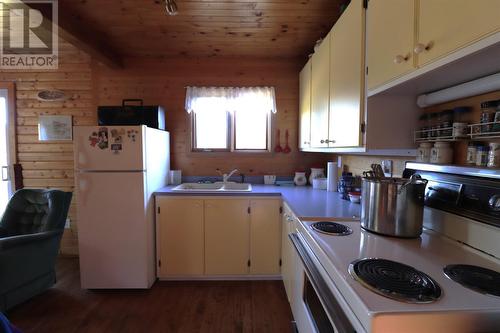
{"x": 132, "y": 114}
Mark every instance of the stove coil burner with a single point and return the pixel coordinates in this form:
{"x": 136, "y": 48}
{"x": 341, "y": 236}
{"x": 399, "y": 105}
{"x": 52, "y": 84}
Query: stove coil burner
{"x": 480, "y": 279}
{"x": 332, "y": 228}
{"x": 395, "y": 280}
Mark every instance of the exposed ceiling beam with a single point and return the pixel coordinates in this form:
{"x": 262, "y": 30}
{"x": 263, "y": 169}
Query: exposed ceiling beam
{"x": 81, "y": 35}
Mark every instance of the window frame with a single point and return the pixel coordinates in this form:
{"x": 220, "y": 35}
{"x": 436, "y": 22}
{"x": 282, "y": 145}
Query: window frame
{"x": 231, "y": 137}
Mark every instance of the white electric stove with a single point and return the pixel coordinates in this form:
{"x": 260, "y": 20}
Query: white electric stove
{"x": 435, "y": 302}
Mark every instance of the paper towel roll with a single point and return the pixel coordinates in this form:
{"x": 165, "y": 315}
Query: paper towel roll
{"x": 332, "y": 175}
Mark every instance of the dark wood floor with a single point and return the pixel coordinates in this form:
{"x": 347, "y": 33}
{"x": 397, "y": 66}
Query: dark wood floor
{"x": 239, "y": 306}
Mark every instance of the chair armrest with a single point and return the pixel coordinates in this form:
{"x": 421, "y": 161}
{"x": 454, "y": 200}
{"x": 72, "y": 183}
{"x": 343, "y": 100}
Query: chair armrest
{"x": 13, "y": 241}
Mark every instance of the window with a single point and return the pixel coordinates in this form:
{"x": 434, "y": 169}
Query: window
{"x": 231, "y": 119}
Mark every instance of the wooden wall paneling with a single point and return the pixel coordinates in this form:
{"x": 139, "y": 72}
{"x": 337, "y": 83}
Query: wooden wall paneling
{"x": 50, "y": 164}
{"x": 163, "y": 81}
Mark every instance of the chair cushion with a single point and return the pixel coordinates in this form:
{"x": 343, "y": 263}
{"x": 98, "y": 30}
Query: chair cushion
{"x": 32, "y": 211}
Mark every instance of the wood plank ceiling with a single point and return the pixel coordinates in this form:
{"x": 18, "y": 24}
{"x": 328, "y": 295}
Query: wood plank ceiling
{"x": 233, "y": 28}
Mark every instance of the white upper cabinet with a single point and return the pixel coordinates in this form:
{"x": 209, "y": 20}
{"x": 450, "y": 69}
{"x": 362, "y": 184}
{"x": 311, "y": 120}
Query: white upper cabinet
{"x": 447, "y": 25}
{"x": 320, "y": 94}
{"x": 305, "y": 106}
{"x": 390, "y": 40}
{"x": 347, "y": 77}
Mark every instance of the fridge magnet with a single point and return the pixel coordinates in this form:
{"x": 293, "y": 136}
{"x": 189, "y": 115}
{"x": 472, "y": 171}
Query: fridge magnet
{"x": 55, "y": 128}
{"x": 103, "y": 138}
{"x": 132, "y": 134}
{"x": 118, "y": 139}
{"x": 93, "y": 139}
{"x": 116, "y": 147}
{"x": 116, "y": 133}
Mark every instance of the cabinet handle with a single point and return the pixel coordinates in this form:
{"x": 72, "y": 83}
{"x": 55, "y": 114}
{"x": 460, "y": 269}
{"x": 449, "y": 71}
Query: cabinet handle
{"x": 400, "y": 59}
{"x": 327, "y": 141}
{"x": 307, "y": 143}
{"x": 419, "y": 48}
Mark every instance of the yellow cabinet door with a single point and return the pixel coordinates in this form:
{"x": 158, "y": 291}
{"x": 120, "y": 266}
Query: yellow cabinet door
{"x": 347, "y": 77}
{"x": 287, "y": 266}
{"x": 320, "y": 94}
{"x": 265, "y": 236}
{"x": 390, "y": 40}
{"x": 447, "y": 25}
{"x": 227, "y": 236}
{"x": 180, "y": 239}
{"x": 305, "y": 106}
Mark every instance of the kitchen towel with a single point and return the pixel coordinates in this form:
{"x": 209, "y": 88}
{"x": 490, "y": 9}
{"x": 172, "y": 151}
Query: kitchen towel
{"x": 332, "y": 175}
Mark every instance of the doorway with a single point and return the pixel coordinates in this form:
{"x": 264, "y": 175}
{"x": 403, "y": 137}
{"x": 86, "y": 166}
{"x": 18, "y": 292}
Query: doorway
{"x": 7, "y": 142}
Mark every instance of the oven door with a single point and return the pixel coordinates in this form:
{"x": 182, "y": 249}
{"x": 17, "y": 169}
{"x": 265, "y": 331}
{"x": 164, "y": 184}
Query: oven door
{"x": 317, "y": 300}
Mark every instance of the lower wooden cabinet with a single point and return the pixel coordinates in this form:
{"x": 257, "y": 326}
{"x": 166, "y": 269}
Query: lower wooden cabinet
{"x": 226, "y": 236}
{"x": 265, "y": 235}
{"x": 213, "y": 236}
{"x": 180, "y": 238}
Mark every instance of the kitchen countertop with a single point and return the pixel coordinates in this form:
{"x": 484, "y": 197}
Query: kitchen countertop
{"x": 303, "y": 200}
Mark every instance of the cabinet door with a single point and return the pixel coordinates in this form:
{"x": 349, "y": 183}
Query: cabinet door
{"x": 390, "y": 33}
{"x": 447, "y": 25}
{"x": 287, "y": 266}
{"x": 305, "y": 106}
{"x": 320, "y": 94}
{"x": 227, "y": 231}
{"x": 180, "y": 240}
{"x": 265, "y": 236}
{"x": 347, "y": 77}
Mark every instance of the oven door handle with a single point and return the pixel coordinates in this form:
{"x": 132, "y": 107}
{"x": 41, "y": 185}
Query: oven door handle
{"x": 332, "y": 308}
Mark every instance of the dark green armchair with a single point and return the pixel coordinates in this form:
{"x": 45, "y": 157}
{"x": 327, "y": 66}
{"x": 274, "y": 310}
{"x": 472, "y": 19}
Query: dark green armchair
{"x": 31, "y": 229}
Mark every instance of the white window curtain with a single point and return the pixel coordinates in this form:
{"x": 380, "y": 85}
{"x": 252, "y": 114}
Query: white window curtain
{"x": 230, "y": 99}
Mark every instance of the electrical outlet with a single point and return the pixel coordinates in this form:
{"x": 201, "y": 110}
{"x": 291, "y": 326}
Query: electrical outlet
{"x": 68, "y": 223}
{"x": 387, "y": 167}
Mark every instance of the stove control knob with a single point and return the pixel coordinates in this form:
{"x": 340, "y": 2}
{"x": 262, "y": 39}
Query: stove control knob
{"x": 494, "y": 202}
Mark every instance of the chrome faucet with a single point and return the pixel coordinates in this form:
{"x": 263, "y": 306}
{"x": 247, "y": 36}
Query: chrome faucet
{"x": 225, "y": 176}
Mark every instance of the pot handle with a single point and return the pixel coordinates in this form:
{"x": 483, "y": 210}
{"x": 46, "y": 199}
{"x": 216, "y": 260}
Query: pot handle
{"x": 414, "y": 179}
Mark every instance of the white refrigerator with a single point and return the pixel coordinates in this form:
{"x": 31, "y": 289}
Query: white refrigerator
{"x": 117, "y": 170}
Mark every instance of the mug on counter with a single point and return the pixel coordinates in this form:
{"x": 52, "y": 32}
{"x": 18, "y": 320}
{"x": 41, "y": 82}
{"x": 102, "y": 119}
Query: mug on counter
{"x": 269, "y": 179}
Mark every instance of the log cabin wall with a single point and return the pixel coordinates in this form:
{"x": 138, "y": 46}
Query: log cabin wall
{"x": 163, "y": 82}
{"x": 50, "y": 164}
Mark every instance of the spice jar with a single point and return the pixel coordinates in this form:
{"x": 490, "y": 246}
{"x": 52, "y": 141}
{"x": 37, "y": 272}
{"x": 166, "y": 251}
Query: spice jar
{"x": 433, "y": 125}
{"x": 423, "y": 122}
{"x": 482, "y": 156}
{"x": 494, "y": 155}
{"x": 441, "y": 153}
{"x": 460, "y": 129}
{"x": 496, "y": 126}
{"x": 471, "y": 153}
{"x": 446, "y": 123}
{"x": 488, "y": 110}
